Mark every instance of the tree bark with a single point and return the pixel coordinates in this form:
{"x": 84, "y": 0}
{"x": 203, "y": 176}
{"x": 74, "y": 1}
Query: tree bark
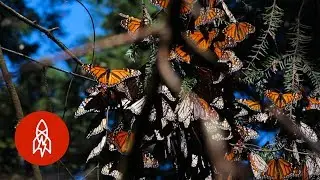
{"x": 16, "y": 102}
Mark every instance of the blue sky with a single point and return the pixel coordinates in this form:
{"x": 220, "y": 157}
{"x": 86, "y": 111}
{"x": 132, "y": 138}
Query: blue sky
{"x": 76, "y": 25}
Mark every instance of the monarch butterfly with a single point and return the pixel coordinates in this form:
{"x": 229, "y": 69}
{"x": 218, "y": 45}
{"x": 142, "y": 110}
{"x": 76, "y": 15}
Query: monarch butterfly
{"x": 308, "y": 132}
{"x": 96, "y": 151}
{"x": 226, "y": 56}
{"x": 279, "y": 169}
{"x": 314, "y": 103}
{"x": 130, "y": 23}
{"x": 110, "y": 170}
{"x": 253, "y": 105}
{"x": 233, "y": 155}
{"x": 218, "y": 102}
{"x": 208, "y": 15}
{"x": 82, "y": 109}
{"x": 258, "y": 165}
{"x": 135, "y": 107}
{"x": 238, "y": 31}
{"x": 167, "y": 112}
{"x": 226, "y": 43}
{"x": 149, "y": 161}
{"x": 186, "y": 6}
{"x": 229, "y": 156}
{"x": 305, "y": 175}
{"x": 164, "y": 90}
{"x": 191, "y": 108}
{"x": 312, "y": 166}
{"x": 123, "y": 140}
{"x": 180, "y": 54}
{"x": 110, "y": 77}
{"x": 247, "y": 133}
{"x": 100, "y": 128}
{"x": 282, "y": 100}
{"x": 203, "y": 42}
{"x": 211, "y": 3}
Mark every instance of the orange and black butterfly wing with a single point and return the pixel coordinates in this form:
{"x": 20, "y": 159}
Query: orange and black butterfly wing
{"x": 211, "y": 3}
{"x": 274, "y": 97}
{"x": 186, "y": 6}
{"x": 238, "y": 31}
{"x": 116, "y": 76}
{"x": 253, "y": 105}
{"x": 202, "y": 42}
{"x": 226, "y": 43}
{"x": 131, "y": 24}
{"x": 272, "y": 169}
{"x": 124, "y": 141}
{"x": 161, "y": 3}
{"x": 198, "y": 38}
{"x": 213, "y": 14}
{"x": 305, "y": 175}
{"x": 99, "y": 73}
{"x": 284, "y": 168}
{"x": 182, "y": 55}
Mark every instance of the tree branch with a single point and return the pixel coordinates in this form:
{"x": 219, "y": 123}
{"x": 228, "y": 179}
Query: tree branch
{"x": 46, "y": 31}
{"x": 46, "y": 65}
{"x": 16, "y": 102}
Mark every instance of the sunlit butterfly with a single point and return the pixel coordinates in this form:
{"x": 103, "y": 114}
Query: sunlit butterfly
{"x": 186, "y": 5}
{"x": 110, "y": 77}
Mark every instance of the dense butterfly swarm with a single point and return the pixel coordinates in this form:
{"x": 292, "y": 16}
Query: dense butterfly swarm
{"x": 173, "y": 141}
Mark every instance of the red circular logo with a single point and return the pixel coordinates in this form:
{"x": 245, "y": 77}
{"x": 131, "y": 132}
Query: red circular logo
{"x": 42, "y": 138}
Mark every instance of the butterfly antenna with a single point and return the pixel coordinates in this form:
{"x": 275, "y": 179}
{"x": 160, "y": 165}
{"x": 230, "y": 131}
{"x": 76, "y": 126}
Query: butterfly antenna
{"x": 94, "y": 31}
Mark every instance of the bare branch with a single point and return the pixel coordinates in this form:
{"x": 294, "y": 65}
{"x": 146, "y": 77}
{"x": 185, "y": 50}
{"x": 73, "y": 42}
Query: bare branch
{"x": 47, "y": 65}
{"x": 46, "y": 31}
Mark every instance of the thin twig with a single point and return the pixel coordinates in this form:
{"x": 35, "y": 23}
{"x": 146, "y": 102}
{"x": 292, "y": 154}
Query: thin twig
{"x": 108, "y": 42}
{"x": 65, "y": 167}
{"x": 46, "y": 31}
{"x": 16, "y": 102}
{"x": 46, "y": 65}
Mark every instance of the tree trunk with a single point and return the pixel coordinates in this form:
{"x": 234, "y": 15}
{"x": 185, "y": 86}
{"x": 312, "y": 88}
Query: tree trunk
{"x": 16, "y": 102}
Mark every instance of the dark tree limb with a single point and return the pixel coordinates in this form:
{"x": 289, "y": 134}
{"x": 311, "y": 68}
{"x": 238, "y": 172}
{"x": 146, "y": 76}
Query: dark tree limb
{"x": 16, "y": 102}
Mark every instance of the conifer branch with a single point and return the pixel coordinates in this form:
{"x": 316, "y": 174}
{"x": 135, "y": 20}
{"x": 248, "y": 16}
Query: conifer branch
{"x": 272, "y": 19}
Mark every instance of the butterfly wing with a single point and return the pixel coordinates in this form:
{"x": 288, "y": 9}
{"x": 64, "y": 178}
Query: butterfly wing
{"x": 99, "y": 73}
{"x": 186, "y": 6}
{"x": 161, "y": 3}
{"x": 116, "y": 76}
{"x": 253, "y": 105}
{"x": 284, "y": 168}
{"x": 308, "y": 132}
{"x": 131, "y": 24}
{"x": 258, "y": 165}
{"x": 289, "y": 98}
{"x": 123, "y": 141}
{"x": 211, "y": 3}
{"x": 274, "y": 97}
{"x": 201, "y": 41}
{"x": 238, "y": 31}
{"x": 272, "y": 169}
{"x": 226, "y": 43}
{"x": 181, "y": 54}
{"x": 212, "y": 14}
{"x": 314, "y": 103}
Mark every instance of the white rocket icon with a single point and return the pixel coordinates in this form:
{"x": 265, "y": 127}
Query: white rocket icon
{"x": 41, "y": 141}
